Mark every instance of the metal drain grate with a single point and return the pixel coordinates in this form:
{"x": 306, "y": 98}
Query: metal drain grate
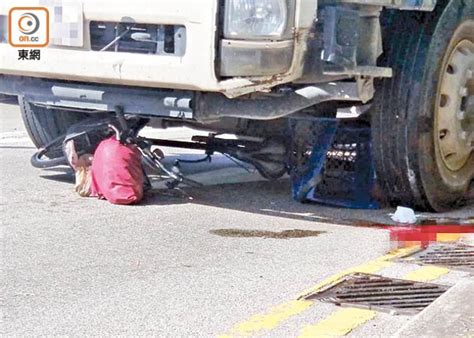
{"x": 366, "y": 291}
{"x": 456, "y": 256}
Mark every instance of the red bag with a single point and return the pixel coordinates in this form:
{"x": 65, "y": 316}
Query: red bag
{"x": 117, "y": 173}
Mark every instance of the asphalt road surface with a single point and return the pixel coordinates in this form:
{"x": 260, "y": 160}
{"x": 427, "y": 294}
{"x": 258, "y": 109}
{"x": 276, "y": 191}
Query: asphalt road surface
{"x": 211, "y": 261}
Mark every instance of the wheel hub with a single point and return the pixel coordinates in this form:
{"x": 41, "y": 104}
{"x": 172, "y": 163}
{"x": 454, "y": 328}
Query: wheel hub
{"x": 455, "y": 107}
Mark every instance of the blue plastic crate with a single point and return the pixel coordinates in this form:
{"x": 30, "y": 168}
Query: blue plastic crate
{"x": 339, "y": 171}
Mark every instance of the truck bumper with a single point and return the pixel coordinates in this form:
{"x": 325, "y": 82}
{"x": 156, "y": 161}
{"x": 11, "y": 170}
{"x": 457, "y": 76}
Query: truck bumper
{"x": 175, "y": 104}
{"x": 141, "y": 101}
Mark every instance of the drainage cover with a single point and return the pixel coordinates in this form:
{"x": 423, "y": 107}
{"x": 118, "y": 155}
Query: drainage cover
{"x": 456, "y": 256}
{"x": 375, "y": 292}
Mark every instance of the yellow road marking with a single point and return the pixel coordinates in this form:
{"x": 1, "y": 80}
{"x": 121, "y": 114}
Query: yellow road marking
{"x": 343, "y": 321}
{"x": 272, "y": 318}
{"x": 278, "y": 314}
{"x": 448, "y": 237}
{"x": 340, "y": 323}
{"x": 427, "y": 273}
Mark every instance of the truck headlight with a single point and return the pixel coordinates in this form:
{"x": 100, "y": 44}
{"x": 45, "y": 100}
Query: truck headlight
{"x": 256, "y": 19}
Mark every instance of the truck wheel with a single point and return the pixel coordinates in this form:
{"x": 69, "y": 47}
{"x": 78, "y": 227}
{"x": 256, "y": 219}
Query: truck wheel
{"x": 423, "y": 118}
{"x": 44, "y": 125}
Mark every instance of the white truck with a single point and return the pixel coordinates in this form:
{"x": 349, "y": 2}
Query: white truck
{"x": 246, "y": 67}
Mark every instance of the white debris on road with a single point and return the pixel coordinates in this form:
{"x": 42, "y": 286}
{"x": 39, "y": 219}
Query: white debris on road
{"x": 404, "y": 215}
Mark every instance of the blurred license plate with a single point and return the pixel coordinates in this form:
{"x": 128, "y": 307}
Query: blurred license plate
{"x": 66, "y": 22}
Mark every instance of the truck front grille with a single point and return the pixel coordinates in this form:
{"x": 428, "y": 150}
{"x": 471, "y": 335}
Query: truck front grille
{"x": 138, "y": 38}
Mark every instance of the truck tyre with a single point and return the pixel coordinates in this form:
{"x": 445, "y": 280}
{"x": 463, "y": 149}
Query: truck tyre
{"x": 423, "y": 118}
{"x": 44, "y": 125}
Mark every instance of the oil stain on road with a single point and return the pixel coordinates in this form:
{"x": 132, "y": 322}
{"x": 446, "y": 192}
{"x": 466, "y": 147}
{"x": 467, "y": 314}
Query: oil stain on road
{"x": 287, "y": 234}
